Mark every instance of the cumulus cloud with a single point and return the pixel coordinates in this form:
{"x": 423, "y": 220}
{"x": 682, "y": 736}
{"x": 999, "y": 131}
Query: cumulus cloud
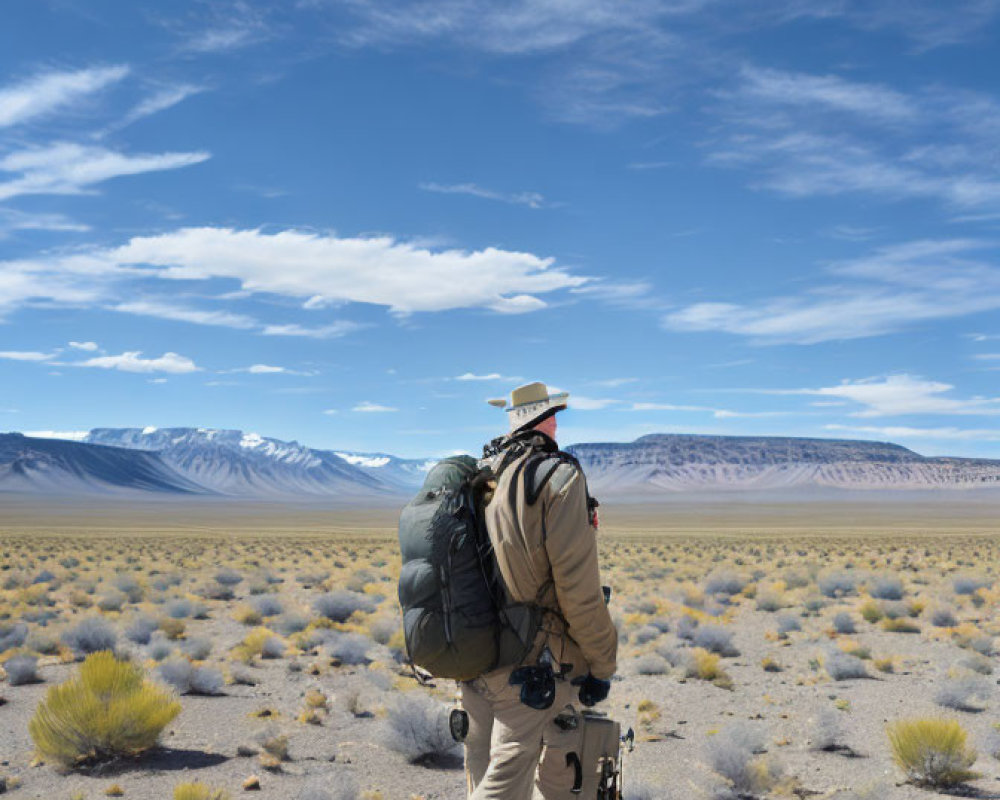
{"x": 49, "y": 91}
{"x": 132, "y": 361}
{"x": 70, "y": 168}
{"x": 88, "y": 346}
{"x": 378, "y": 270}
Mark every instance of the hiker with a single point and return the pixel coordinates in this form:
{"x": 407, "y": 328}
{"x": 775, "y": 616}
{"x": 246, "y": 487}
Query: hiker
{"x": 521, "y": 740}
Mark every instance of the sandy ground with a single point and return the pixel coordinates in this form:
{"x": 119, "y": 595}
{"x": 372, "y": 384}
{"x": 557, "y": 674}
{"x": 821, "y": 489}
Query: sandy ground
{"x": 651, "y": 553}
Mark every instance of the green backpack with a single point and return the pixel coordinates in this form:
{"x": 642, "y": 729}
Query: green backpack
{"x": 458, "y": 619}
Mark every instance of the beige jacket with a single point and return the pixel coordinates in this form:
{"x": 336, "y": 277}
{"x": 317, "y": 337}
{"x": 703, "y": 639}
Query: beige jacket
{"x": 547, "y": 554}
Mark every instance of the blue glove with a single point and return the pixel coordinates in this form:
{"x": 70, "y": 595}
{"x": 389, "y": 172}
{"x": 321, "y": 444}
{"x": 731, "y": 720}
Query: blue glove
{"x": 593, "y": 690}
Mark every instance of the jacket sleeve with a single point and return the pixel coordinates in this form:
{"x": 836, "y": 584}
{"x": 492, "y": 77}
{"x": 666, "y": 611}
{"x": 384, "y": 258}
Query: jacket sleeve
{"x": 571, "y": 545}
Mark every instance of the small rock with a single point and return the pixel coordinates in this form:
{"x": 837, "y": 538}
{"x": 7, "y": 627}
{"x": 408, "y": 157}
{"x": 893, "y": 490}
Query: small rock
{"x": 246, "y": 751}
{"x": 3, "y": 785}
{"x": 251, "y": 784}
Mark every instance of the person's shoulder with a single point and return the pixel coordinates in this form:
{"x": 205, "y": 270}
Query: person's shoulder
{"x": 551, "y": 472}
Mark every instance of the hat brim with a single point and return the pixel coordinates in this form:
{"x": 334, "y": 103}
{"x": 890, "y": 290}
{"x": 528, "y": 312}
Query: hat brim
{"x": 528, "y": 414}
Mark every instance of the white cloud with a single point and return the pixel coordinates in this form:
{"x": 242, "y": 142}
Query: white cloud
{"x": 25, "y": 355}
{"x": 331, "y": 411}
{"x": 69, "y": 168}
{"x": 582, "y": 403}
{"x": 151, "y": 308}
{"x": 529, "y": 199}
{"x": 490, "y": 376}
{"x": 378, "y": 270}
{"x": 332, "y": 331}
{"x": 88, "y": 346}
{"x": 50, "y": 91}
{"x": 132, "y": 361}
{"x": 891, "y": 289}
{"x": 900, "y": 395}
{"x": 902, "y": 432}
{"x": 13, "y": 220}
{"x": 613, "y": 383}
{"x": 807, "y": 135}
{"x": 372, "y": 408}
{"x": 987, "y": 356}
{"x": 160, "y": 100}
{"x": 72, "y": 435}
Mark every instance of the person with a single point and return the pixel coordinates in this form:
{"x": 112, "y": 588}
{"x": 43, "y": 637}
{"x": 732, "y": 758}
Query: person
{"x": 546, "y": 548}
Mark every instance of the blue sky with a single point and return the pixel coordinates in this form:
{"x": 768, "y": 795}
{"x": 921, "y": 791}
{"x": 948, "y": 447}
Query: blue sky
{"x": 349, "y": 222}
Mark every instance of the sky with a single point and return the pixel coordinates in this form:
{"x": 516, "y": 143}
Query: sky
{"x": 349, "y": 223}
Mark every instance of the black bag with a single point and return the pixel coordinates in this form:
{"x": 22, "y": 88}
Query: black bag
{"x": 457, "y": 617}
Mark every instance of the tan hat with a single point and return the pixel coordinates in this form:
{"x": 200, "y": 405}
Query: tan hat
{"x": 530, "y": 404}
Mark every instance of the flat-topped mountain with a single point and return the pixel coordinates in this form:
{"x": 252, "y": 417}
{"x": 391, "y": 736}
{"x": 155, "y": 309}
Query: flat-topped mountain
{"x": 667, "y": 463}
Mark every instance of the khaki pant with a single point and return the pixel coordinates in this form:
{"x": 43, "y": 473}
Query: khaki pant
{"x": 514, "y": 752}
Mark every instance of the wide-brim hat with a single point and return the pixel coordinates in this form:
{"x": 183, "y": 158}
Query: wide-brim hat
{"x": 530, "y": 404}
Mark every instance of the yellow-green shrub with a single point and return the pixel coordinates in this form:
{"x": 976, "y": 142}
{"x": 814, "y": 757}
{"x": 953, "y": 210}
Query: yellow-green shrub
{"x": 109, "y": 709}
{"x": 932, "y": 752}
{"x": 198, "y": 791}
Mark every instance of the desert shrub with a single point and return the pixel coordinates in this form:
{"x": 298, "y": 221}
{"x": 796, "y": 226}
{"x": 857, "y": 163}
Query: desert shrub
{"x": 646, "y": 633}
{"x": 172, "y": 628}
{"x": 966, "y": 693}
{"x": 715, "y": 639}
{"x": 267, "y": 605}
{"x": 129, "y": 586}
{"x": 828, "y": 730}
{"x": 341, "y": 604}
{"x": 248, "y": 615}
{"x": 40, "y": 641}
{"x": 112, "y": 601}
{"x": 844, "y": 623}
{"x": 770, "y": 602}
{"x": 242, "y": 674}
{"x": 12, "y": 635}
{"x": 814, "y": 603}
{"x": 417, "y": 727}
{"x": 108, "y": 710}
{"x": 662, "y": 624}
{"x": 91, "y": 635}
{"x": 968, "y": 584}
{"x": 651, "y": 664}
{"x": 140, "y": 629}
{"x": 886, "y": 587}
{"x": 932, "y": 752}
{"x": 977, "y": 663}
{"x": 197, "y": 648}
{"x": 159, "y": 647}
{"x": 383, "y": 628}
{"x": 292, "y": 622}
{"x": 179, "y": 608}
{"x": 701, "y": 664}
{"x": 725, "y": 582}
{"x": 788, "y": 623}
{"x": 837, "y": 584}
{"x": 843, "y": 666}
{"x": 686, "y": 627}
{"x": 186, "y": 678}
{"x": 21, "y": 669}
{"x": 982, "y": 645}
{"x": 349, "y": 648}
{"x": 943, "y": 617}
{"x": 900, "y": 626}
{"x": 737, "y": 755}
{"x": 228, "y": 577}
{"x": 213, "y": 590}
{"x": 198, "y": 791}
{"x": 259, "y": 642}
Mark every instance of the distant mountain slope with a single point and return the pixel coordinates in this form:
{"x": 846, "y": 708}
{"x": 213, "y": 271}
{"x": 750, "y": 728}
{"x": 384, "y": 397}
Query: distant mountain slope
{"x": 406, "y": 473}
{"x": 232, "y": 462}
{"x": 55, "y": 466}
{"x": 666, "y": 463}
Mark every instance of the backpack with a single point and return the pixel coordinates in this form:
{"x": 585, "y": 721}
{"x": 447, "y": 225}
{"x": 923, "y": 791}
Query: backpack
{"x": 458, "y": 620}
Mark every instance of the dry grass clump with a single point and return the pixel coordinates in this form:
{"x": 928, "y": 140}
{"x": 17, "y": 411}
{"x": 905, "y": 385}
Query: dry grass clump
{"x": 706, "y": 666}
{"x": 741, "y": 766}
{"x": 261, "y": 643}
{"x": 199, "y": 791}
{"x": 932, "y": 752}
{"x": 108, "y": 710}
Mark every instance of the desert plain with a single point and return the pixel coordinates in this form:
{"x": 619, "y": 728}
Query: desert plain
{"x": 766, "y": 648}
